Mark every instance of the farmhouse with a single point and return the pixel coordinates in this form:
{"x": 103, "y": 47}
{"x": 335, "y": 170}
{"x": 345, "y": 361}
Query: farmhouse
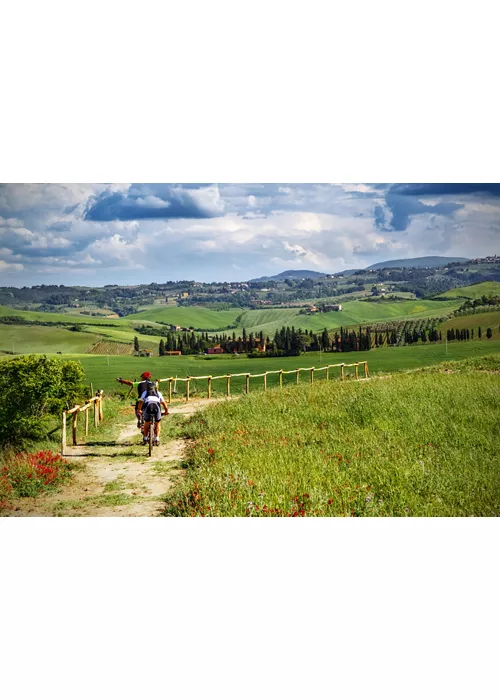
{"x": 173, "y": 352}
{"x": 332, "y": 307}
{"x": 312, "y": 309}
{"x": 216, "y": 350}
{"x": 173, "y": 327}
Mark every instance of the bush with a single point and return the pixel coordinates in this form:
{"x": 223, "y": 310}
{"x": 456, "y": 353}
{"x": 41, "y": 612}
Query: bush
{"x": 32, "y": 390}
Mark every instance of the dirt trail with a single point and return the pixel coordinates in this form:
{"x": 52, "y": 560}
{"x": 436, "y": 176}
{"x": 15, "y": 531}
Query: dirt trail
{"x": 118, "y": 479}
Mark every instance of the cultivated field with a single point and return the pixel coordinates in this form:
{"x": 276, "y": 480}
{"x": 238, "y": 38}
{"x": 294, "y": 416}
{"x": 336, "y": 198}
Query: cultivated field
{"x": 44, "y": 339}
{"x": 474, "y": 291}
{"x": 489, "y": 319}
{"x": 195, "y": 316}
{"x": 407, "y": 445}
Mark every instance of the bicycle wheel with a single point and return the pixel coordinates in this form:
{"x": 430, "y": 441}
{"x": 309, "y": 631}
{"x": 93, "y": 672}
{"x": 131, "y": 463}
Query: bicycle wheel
{"x": 151, "y": 436}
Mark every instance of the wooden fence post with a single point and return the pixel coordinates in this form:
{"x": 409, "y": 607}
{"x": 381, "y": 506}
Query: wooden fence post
{"x": 228, "y": 385}
{"x": 281, "y": 379}
{"x": 101, "y": 411}
{"x": 187, "y": 389}
{"x": 312, "y": 375}
{"x": 327, "y": 368}
{"x": 247, "y": 384}
{"x": 297, "y": 376}
{"x": 75, "y": 420}
{"x": 63, "y": 433}
{"x": 342, "y": 372}
{"x": 87, "y": 421}
{"x": 91, "y": 389}
{"x": 357, "y": 370}
{"x": 96, "y": 414}
{"x": 210, "y": 387}
{"x": 170, "y": 390}
{"x": 265, "y": 381}
{"x": 366, "y": 369}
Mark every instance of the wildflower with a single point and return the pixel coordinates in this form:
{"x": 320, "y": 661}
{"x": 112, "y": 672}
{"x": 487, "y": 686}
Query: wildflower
{"x": 330, "y": 501}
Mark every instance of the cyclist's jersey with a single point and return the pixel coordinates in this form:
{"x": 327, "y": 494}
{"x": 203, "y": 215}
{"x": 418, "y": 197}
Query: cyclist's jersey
{"x": 151, "y": 399}
{"x": 141, "y": 388}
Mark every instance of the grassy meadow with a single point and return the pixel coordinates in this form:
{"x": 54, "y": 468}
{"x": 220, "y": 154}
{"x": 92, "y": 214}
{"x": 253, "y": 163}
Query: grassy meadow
{"x": 473, "y": 291}
{"x": 102, "y": 370}
{"x": 44, "y": 339}
{"x": 488, "y": 319}
{"x": 422, "y": 443}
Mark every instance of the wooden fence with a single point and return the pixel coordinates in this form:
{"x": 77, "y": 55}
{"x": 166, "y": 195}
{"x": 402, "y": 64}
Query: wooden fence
{"x": 172, "y": 381}
{"x": 97, "y": 403}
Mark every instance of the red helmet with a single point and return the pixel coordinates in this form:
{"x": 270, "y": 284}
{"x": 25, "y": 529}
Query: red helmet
{"x": 146, "y": 375}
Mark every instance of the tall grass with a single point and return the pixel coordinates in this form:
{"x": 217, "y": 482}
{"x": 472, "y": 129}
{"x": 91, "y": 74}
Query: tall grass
{"x": 418, "y": 444}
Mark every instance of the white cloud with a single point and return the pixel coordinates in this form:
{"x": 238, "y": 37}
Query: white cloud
{"x": 6, "y": 267}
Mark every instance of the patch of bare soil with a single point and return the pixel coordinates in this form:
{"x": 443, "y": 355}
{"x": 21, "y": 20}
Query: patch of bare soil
{"x": 116, "y": 479}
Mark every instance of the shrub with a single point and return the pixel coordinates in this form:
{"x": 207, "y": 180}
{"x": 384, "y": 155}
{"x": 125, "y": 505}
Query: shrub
{"x": 32, "y": 390}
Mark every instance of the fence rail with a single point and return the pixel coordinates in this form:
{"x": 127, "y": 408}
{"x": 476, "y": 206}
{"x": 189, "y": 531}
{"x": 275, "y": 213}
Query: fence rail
{"x": 172, "y": 381}
{"x": 97, "y": 403}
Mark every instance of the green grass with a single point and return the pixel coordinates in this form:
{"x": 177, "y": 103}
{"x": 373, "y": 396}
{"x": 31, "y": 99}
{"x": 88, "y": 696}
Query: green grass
{"x": 44, "y": 339}
{"x": 353, "y": 313}
{"x": 416, "y": 444}
{"x": 57, "y": 317}
{"x": 474, "y": 291}
{"x": 196, "y": 316}
{"x": 102, "y": 371}
{"x": 489, "y": 319}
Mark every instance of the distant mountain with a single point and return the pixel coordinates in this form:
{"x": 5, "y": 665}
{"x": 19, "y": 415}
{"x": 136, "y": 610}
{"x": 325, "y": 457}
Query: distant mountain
{"x": 429, "y": 261}
{"x": 291, "y": 274}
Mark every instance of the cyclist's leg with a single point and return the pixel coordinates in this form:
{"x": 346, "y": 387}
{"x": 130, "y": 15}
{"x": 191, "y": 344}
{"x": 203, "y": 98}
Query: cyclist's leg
{"x": 158, "y": 422}
{"x": 137, "y": 414}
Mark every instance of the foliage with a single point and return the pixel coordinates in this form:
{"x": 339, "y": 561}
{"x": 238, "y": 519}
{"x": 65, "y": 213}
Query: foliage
{"x": 32, "y": 389}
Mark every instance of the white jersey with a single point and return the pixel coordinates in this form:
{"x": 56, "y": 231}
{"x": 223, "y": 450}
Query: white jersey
{"x": 152, "y": 399}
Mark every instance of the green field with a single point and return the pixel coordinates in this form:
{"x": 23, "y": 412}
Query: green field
{"x": 406, "y": 445}
{"x": 59, "y": 317}
{"x": 102, "y": 371}
{"x": 195, "y": 316}
{"x": 363, "y": 312}
{"x": 44, "y": 339}
{"x": 474, "y": 291}
{"x": 489, "y": 319}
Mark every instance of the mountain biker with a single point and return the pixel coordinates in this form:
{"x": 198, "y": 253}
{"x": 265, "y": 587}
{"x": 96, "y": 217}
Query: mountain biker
{"x": 141, "y": 388}
{"x": 150, "y": 405}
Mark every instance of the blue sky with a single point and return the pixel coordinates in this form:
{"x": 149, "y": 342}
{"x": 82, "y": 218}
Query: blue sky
{"x": 96, "y": 234}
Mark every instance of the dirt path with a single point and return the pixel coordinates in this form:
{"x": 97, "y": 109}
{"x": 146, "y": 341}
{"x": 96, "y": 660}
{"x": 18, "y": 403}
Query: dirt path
{"x": 117, "y": 479}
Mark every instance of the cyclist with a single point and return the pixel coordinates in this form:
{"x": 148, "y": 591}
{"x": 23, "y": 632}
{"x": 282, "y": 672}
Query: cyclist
{"x": 141, "y": 388}
{"x": 150, "y": 405}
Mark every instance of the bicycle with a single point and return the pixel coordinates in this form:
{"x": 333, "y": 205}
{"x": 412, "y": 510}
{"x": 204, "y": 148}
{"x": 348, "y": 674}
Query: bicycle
{"x": 151, "y": 434}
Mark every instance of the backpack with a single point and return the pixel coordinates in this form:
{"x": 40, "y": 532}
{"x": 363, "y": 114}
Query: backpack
{"x": 151, "y": 390}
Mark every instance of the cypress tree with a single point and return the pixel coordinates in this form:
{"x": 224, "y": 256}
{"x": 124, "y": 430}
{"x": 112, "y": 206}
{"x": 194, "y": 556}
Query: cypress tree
{"x": 136, "y": 344}
{"x": 161, "y": 348}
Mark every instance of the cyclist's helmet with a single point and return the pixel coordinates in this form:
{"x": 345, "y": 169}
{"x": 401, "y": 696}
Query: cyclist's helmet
{"x": 146, "y": 375}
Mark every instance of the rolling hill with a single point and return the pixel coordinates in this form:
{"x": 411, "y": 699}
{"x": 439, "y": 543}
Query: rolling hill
{"x": 473, "y": 291}
{"x": 427, "y": 261}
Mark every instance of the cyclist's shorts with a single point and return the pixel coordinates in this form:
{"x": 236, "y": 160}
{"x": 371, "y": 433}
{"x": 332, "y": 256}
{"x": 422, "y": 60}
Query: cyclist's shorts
{"x": 152, "y": 409}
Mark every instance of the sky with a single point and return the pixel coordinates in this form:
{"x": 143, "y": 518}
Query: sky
{"x": 96, "y": 234}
